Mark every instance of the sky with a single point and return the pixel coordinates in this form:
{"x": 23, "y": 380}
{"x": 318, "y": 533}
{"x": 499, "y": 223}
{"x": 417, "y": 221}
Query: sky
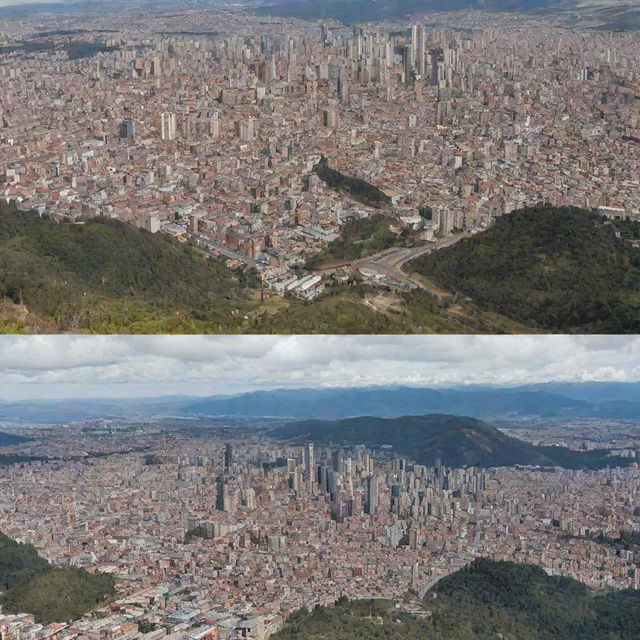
{"x": 145, "y": 366}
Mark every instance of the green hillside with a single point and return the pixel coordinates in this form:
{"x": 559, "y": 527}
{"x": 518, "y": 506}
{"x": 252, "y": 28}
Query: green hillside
{"x": 353, "y": 187}
{"x": 521, "y": 601}
{"x": 456, "y": 441}
{"x": 557, "y": 269}
{"x": 337, "y": 311}
{"x": 18, "y": 562}
{"x": 7, "y": 459}
{"x": 30, "y": 585}
{"x": 106, "y": 276}
{"x": 485, "y": 600}
{"x": 59, "y": 594}
{"x": 347, "y": 309}
{"x": 539, "y": 269}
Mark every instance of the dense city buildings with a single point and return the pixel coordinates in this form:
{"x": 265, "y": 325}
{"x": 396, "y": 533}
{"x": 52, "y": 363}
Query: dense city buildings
{"x": 226, "y": 537}
{"x": 207, "y": 125}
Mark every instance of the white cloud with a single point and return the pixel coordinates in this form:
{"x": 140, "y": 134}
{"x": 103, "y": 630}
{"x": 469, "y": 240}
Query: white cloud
{"x": 93, "y": 366}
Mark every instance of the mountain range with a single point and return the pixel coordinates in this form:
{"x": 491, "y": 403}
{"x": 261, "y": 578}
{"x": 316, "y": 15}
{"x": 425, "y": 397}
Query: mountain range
{"x": 615, "y": 15}
{"x": 544, "y": 401}
{"x": 552, "y": 400}
{"x": 350, "y": 11}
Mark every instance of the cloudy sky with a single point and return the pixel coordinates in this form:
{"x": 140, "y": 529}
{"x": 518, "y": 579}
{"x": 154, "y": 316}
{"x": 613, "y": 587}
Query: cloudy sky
{"x": 117, "y": 366}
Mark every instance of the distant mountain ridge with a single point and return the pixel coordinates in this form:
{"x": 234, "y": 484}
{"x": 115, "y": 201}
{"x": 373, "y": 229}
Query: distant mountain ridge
{"x": 455, "y": 441}
{"x": 389, "y": 401}
{"x": 554, "y": 400}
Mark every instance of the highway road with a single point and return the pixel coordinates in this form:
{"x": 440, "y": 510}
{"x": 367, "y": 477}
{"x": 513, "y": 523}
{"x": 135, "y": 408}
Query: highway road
{"x": 390, "y": 261}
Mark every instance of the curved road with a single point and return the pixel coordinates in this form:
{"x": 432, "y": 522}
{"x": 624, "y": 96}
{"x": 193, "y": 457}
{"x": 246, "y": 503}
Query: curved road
{"x": 423, "y": 592}
{"x": 390, "y": 261}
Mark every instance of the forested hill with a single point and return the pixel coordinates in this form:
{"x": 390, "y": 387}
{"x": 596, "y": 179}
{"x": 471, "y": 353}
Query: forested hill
{"x": 485, "y": 600}
{"x": 556, "y": 269}
{"x": 18, "y": 562}
{"x": 29, "y": 584}
{"x": 103, "y": 275}
{"x": 455, "y": 441}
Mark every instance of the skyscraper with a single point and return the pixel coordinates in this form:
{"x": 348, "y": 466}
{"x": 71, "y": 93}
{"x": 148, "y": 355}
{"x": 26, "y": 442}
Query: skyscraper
{"x": 228, "y": 456}
{"x": 214, "y": 125}
{"x": 409, "y": 73}
{"x": 222, "y": 493}
{"x": 291, "y": 471}
{"x": 338, "y": 460}
{"x": 371, "y": 506}
{"x": 245, "y": 130}
{"x": 127, "y": 129}
{"x": 333, "y": 480}
{"x": 330, "y": 118}
{"x": 418, "y": 42}
{"x": 168, "y": 126}
{"x": 343, "y": 85}
{"x": 308, "y": 462}
{"x": 323, "y": 479}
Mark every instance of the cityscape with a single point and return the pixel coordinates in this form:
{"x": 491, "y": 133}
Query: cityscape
{"x": 223, "y": 527}
{"x": 212, "y": 126}
{"x": 319, "y": 320}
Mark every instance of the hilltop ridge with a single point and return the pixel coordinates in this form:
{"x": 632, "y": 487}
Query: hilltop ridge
{"x": 555, "y": 269}
{"x": 104, "y": 275}
{"x": 455, "y": 441}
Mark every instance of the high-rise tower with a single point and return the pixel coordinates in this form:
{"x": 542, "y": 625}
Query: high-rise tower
{"x": 168, "y": 126}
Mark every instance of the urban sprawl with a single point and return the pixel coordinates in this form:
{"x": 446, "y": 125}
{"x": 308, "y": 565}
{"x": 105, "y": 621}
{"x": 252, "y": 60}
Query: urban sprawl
{"x": 207, "y": 125}
{"x": 222, "y": 537}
